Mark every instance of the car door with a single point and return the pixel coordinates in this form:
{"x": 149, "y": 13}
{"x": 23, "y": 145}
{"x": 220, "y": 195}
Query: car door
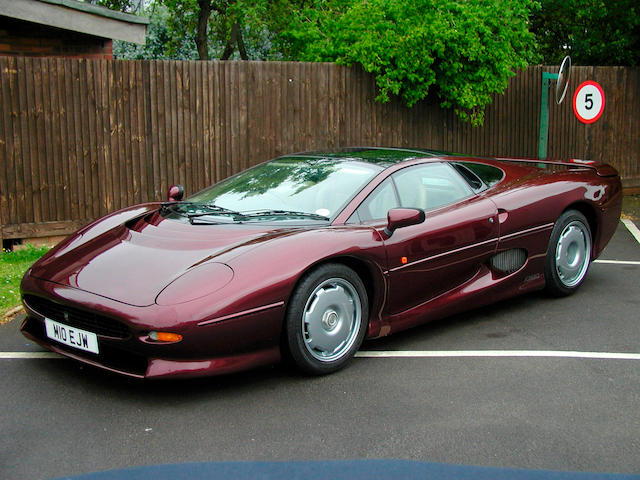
{"x": 459, "y": 234}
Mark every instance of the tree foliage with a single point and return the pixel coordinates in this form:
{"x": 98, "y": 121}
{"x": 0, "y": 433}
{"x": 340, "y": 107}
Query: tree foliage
{"x": 461, "y": 50}
{"x": 229, "y": 29}
{"x": 593, "y": 32}
{"x": 125, "y": 6}
{"x": 161, "y": 44}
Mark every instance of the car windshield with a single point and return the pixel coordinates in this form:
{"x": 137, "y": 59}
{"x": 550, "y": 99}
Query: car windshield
{"x": 289, "y": 186}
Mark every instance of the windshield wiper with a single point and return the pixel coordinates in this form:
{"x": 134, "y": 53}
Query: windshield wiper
{"x": 282, "y": 213}
{"x": 214, "y": 210}
{"x": 210, "y": 210}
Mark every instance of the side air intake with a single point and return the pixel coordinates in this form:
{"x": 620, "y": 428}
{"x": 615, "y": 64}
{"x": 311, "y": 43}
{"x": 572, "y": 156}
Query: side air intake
{"x": 508, "y": 261}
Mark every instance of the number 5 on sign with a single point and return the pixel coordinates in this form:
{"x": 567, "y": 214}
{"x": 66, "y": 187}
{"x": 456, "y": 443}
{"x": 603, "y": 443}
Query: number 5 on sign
{"x": 588, "y": 102}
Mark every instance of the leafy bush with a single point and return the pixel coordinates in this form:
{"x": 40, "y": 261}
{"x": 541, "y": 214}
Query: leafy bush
{"x": 463, "y": 51}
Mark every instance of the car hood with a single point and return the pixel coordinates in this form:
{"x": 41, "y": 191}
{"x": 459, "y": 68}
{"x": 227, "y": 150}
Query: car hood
{"x": 131, "y": 257}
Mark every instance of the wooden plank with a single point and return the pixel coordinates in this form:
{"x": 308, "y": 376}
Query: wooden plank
{"x": 209, "y": 121}
{"x": 254, "y": 113}
{"x": 26, "y": 177}
{"x": 46, "y": 140}
{"x": 226, "y": 118}
{"x": 61, "y": 135}
{"x": 141, "y": 131}
{"x": 163, "y": 124}
{"x": 90, "y": 138}
{"x": 100, "y": 139}
{"x": 121, "y": 155}
{"x": 145, "y": 116}
{"x": 42, "y": 229}
{"x": 233, "y": 113}
{"x": 36, "y": 107}
{"x": 242, "y": 139}
{"x": 114, "y": 126}
{"x": 105, "y": 114}
{"x": 173, "y": 151}
{"x": 216, "y": 119}
{"x": 275, "y": 110}
{"x": 75, "y": 125}
{"x": 195, "y": 138}
{"x": 200, "y": 132}
{"x": 58, "y": 139}
{"x": 8, "y": 204}
{"x": 184, "y": 126}
{"x": 153, "y": 99}
{"x": 127, "y": 172}
{"x": 132, "y": 134}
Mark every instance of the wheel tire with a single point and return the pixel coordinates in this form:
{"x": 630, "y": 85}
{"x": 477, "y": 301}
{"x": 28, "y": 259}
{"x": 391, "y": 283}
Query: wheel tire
{"x": 326, "y": 319}
{"x": 568, "y": 255}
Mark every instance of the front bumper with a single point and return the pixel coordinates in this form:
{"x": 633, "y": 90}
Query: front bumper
{"x": 235, "y": 343}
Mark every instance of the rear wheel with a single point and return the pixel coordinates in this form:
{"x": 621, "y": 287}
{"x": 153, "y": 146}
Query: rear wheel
{"x": 569, "y": 254}
{"x": 327, "y": 319}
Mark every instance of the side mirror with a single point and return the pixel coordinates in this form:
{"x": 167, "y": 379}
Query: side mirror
{"x": 176, "y": 192}
{"x": 403, "y": 217}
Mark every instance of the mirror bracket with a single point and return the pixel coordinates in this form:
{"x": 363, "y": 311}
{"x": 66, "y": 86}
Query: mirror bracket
{"x": 175, "y": 193}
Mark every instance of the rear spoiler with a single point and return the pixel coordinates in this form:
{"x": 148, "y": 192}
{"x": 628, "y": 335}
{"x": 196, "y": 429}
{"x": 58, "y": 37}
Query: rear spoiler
{"x": 602, "y": 169}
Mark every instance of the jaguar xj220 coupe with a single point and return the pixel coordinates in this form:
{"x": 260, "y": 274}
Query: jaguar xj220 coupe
{"x": 304, "y": 256}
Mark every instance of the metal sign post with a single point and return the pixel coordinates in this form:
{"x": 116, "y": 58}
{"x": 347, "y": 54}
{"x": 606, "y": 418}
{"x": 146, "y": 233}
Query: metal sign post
{"x": 544, "y": 114}
{"x": 562, "y": 82}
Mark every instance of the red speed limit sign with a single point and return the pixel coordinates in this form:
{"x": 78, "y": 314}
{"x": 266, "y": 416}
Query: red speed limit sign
{"x": 588, "y": 102}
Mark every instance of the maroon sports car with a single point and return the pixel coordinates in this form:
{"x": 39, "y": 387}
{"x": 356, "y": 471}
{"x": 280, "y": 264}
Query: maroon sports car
{"x": 306, "y": 255}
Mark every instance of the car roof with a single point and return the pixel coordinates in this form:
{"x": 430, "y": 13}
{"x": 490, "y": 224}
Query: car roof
{"x": 381, "y": 156}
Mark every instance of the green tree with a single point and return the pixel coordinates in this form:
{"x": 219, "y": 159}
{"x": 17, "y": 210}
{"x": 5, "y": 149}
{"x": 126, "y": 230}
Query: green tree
{"x": 160, "y": 43}
{"x": 125, "y": 6}
{"x": 463, "y": 51}
{"x": 593, "y": 32}
{"x": 227, "y": 29}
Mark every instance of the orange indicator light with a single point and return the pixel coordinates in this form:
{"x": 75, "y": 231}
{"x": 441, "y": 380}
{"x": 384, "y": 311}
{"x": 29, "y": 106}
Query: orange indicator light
{"x": 403, "y": 260}
{"x": 165, "y": 336}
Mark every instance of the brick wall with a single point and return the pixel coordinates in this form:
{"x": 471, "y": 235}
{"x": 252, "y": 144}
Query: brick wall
{"x": 20, "y": 38}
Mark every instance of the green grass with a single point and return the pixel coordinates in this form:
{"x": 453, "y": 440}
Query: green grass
{"x": 12, "y": 268}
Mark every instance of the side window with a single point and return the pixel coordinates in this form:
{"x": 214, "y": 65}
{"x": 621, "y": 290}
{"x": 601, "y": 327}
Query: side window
{"x": 430, "y": 186}
{"x": 378, "y": 203}
{"x": 426, "y": 186}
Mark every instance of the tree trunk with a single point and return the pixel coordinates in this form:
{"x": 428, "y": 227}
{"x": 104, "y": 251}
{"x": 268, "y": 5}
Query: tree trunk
{"x": 231, "y": 42}
{"x": 235, "y": 39}
{"x": 201, "y": 34}
{"x": 241, "y": 48}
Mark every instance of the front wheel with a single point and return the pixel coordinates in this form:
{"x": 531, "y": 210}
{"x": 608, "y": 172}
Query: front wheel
{"x": 568, "y": 255}
{"x": 327, "y": 319}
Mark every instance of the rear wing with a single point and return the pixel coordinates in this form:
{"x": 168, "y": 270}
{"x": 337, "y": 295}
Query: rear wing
{"x": 602, "y": 169}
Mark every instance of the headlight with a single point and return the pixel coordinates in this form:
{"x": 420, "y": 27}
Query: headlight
{"x": 202, "y": 280}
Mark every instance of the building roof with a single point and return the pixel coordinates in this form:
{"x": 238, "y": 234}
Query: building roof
{"x": 79, "y": 17}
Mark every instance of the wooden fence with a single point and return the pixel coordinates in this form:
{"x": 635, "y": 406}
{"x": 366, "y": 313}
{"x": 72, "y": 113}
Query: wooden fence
{"x": 82, "y": 138}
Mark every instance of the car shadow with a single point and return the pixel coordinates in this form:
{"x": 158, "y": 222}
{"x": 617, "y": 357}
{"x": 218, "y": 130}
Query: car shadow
{"x": 447, "y": 325}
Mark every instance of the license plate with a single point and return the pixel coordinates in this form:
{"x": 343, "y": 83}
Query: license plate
{"x": 74, "y": 337}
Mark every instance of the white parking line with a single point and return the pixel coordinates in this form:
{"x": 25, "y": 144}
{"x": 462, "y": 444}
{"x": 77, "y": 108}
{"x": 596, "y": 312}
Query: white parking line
{"x": 28, "y": 355}
{"x": 618, "y": 262}
{"x": 416, "y": 354}
{"x": 632, "y": 228}
{"x": 496, "y": 353}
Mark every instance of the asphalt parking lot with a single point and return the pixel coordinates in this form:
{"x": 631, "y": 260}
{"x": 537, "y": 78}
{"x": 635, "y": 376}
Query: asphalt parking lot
{"x": 532, "y": 382}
